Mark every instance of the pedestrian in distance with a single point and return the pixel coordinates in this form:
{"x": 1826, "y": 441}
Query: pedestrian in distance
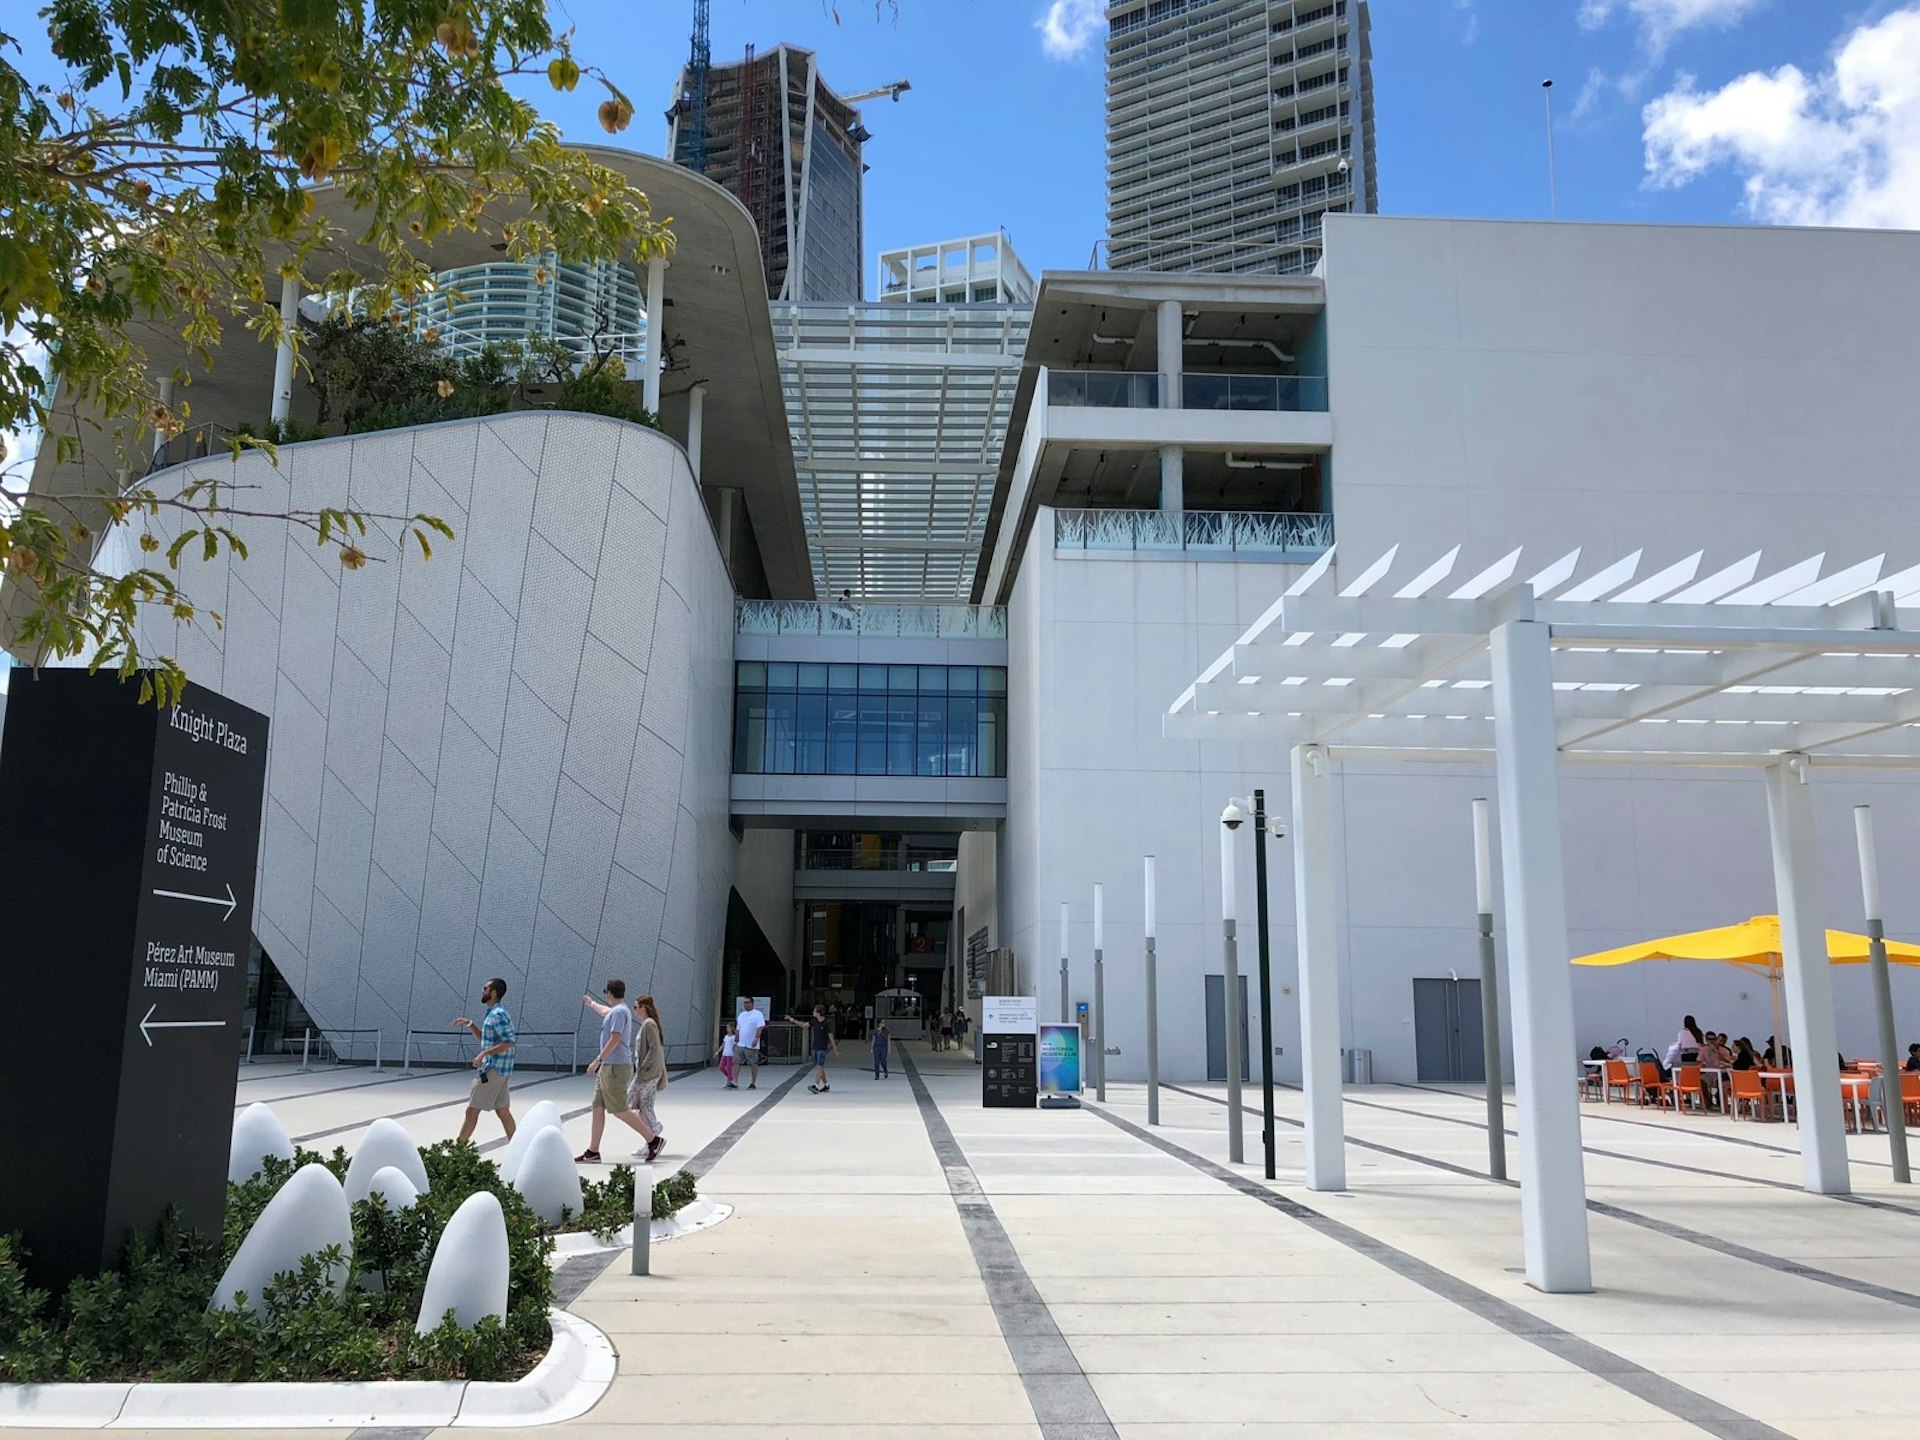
{"x": 613, "y": 1069}
{"x": 494, "y": 1062}
{"x": 821, "y": 1042}
{"x": 746, "y": 1050}
{"x": 649, "y": 1070}
{"x": 946, "y": 1030}
{"x": 728, "y": 1040}
{"x": 881, "y": 1039}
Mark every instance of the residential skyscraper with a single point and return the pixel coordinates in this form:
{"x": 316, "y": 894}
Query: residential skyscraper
{"x": 789, "y": 148}
{"x": 1233, "y": 127}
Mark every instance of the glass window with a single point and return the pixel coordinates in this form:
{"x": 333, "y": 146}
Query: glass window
{"x": 933, "y": 679}
{"x": 873, "y": 677}
{"x": 750, "y": 675}
{"x": 813, "y": 677}
{"x": 781, "y": 675}
{"x": 780, "y": 732}
{"x": 932, "y": 754}
{"x": 750, "y": 732}
{"x": 962, "y": 722}
{"x": 962, "y": 679}
{"x": 843, "y": 677}
{"x": 873, "y": 733}
{"x": 843, "y": 729}
{"x": 993, "y": 679}
{"x": 992, "y": 736}
{"x": 810, "y": 734}
{"x": 903, "y": 679}
{"x": 902, "y": 719}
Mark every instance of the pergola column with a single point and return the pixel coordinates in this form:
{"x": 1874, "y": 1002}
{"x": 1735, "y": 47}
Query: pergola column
{"x": 1809, "y": 987}
{"x": 283, "y": 353}
{"x": 1553, "y": 1192}
{"x": 696, "y": 416}
{"x": 1170, "y": 340}
{"x": 656, "y": 334}
{"x": 1318, "y": 934}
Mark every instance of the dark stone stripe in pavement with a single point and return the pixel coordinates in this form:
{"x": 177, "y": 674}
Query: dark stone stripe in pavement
{"x": 1063, "y": 1399}
{"x": 1644, "y": 1384}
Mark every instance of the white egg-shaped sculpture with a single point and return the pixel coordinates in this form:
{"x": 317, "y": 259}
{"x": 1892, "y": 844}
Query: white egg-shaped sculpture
{"x": 309, "y": 1214}
{"x": 544, "y": 1116}
{"x": 384, "y": 1144}
{"x": 469, "y": 1271}
{"x": 257, "y": 1133}
{"x": 393, "y": 1186}
{"x": 549, "y": 1181}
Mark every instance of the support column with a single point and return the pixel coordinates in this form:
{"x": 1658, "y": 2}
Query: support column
{"x": 1170, "y": 341}
{"x": 656, "y": 335}
{"x": 283, "y": 354}
{"x": 696, "y": 417}
{"x": 724, "y": 523}
{"x": 1553, "y": 1187}
{"x": 1809, "y": 987}
{"x": 1230, "y": 966}
{"x": 1318, "y": 934}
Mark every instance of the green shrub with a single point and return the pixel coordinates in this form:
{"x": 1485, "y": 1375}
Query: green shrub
{"x": 149, "y": 1320}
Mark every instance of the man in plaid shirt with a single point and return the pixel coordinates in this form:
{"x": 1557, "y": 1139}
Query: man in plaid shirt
{"x": 494, "y": 1062}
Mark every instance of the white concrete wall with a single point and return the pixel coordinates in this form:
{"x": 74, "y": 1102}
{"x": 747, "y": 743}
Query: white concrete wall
{"x": 1497, "y": 385}
{"x": 976, "y": 903}
{"x": 510, "y": 759}
{"x": 763, "y": 874}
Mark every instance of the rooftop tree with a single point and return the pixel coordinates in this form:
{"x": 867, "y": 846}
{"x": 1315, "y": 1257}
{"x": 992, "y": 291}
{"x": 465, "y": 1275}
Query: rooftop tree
{"x": 170, "y": 180}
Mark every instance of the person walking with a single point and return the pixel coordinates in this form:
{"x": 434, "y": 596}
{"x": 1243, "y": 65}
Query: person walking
{"x": 614, "y": 1068}
{"x": 649, "y": 1069}
{"x": 821, "y": 1042}
{"x": 746, "y": 1050}
{"x": 494, "y": 1062}
{"x": 728, "y": 1042}
{"x": 881, "y": 1039}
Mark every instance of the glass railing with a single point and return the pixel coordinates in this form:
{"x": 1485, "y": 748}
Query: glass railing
{"x": 1265, "y": 535}
{"x": 911, "y": 620}
{"x": 1121, "y": 390}
{"x": 1253, "y": 392}
{"x": 1103, "y": 389}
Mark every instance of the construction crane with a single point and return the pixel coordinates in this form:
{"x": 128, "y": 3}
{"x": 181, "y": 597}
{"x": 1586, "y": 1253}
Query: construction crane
{"x": 892, "y": 92}
{"x": 693, "y": 149}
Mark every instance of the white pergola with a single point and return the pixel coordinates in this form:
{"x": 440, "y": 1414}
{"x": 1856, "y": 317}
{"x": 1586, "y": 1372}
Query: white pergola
{"x": 1524, "y": 668}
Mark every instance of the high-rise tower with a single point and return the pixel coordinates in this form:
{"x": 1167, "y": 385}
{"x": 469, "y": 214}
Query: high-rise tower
{"x": 1233, "y": 126}
{"x": 789, "y": 147}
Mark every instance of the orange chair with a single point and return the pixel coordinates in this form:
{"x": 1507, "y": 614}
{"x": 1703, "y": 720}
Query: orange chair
{"x": 1653, "y": 1087}
{"x": 1910, "y": 1095}
{"x": 1621, "y": 1079}
{"x": 1686, "y": 1084}
{"x": 1748, "y": 1091}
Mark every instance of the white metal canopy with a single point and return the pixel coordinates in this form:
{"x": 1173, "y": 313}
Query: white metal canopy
{"x": 1731, "y": 669}
{"x": 1526, "y": 667}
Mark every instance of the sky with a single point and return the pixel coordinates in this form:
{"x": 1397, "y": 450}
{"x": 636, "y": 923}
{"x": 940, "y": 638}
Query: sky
{"x": 1678, "y": 111}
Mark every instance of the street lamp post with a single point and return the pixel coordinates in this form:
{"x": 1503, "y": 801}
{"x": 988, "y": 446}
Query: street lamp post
{"x": 1892, "y": 1094}
{"x": 1099, "y": 995}
{"x": 1266, "y": 975}
{"x": 1236, "y": 1141}
{"x": 1153, "y": 1009}
{"x": 1489, "y": 992}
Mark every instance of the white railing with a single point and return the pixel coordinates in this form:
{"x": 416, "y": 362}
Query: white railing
{"x": 1196, "y": 534}
{"x": 925, "y": 620}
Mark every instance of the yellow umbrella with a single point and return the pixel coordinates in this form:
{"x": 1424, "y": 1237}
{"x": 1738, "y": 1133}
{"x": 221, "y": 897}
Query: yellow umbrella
{"x": 1754, "y": 944}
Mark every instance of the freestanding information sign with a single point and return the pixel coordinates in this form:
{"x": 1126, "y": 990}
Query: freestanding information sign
{"x": 1010, "y": 1061}
{"x": 126, "y": 875}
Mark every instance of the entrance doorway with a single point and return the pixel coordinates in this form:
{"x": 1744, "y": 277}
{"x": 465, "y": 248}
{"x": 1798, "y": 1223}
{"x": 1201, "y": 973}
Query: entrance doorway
{"x": 1448, "y": 1044}
{"x": 1217, "y": 1027}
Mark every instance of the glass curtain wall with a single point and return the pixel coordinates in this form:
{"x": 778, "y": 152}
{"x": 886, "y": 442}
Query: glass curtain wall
{"x": 798, "y": 719}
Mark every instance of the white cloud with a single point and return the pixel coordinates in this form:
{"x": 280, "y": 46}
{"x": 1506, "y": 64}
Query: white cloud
{"x": 1069, "y": 26}
{"x": 1659, "y": 21}
{"x": 1590, "y": 93}
{"x": 1472, "y": 31}
{"x": 1838, "y": 148}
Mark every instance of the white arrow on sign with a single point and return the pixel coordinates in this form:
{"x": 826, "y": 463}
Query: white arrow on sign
{"x": 230, "y": 902}
{"x": 148, "y": 1025}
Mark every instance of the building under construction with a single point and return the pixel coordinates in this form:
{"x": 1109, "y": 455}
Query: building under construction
{"x": 789, "y": 147}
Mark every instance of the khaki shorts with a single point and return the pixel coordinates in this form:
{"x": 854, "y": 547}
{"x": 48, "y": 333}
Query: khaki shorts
{"x": 489, "y": 1092}
{"x": 611, "y": 1086}
{"x": 746, "y": 1055}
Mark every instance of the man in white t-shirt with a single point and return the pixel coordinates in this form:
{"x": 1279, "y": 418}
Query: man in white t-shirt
{"x": 746, "y": 1051}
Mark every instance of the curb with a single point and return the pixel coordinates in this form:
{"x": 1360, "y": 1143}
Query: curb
{"x": 575, "y": 1373}
{"x": 693, "y": 1216}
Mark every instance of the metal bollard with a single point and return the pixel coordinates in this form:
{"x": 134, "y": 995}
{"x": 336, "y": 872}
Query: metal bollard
{"x": 378, "y": 1067}
{"x": 642, "y": 1227}
{"x": 306, "y": 1047}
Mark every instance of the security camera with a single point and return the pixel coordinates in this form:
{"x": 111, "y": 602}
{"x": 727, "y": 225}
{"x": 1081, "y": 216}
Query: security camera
{"x": 1345, "y": 166}
{"x": 1277, "y": 828}
{"x": 1233, "y": 817}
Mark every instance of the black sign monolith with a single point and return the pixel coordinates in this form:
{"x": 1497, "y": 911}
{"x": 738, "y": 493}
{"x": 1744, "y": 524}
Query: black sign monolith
{"x": 128, "y": 838}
